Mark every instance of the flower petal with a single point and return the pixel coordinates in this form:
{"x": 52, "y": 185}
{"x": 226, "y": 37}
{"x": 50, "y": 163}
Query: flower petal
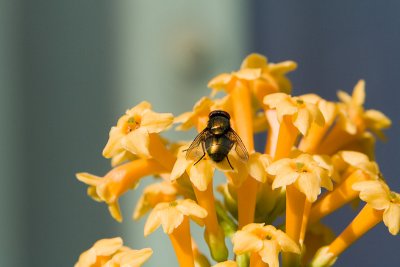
{"x": 190, "y": 208}
{"x": 156, "y": 122}
{"x": 201, "y": 174}
{"x": 113, "y": 145}
{"x": 391, "y": 218}
{"x": 269, "y": 253}
{"x": 244, "y": 242}
{"x": 137, "y": 142}
{"x": 307, "y": 183}
{"x": 284, "y": 179}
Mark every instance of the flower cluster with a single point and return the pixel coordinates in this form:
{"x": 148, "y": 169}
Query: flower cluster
{"x": 318, "y": 157}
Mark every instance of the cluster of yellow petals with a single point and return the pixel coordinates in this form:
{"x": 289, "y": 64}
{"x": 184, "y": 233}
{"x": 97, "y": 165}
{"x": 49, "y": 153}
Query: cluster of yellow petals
{"x": 131, "y": 134}
{"x": 311, "y": 144}
{"x": 265, "y": 240}
{"x": 304, "y": 172}
{"x": 111, "y": 253}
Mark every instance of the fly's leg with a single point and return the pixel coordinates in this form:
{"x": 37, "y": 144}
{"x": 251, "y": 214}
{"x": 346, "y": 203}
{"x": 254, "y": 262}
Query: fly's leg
{"x": 204, "y": 153}
{"x": 227, "y": 158}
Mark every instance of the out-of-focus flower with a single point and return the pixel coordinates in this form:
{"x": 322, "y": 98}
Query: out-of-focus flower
{"x": 152, "y": 195}
{"x": 378, "y": 195}
{"x": 118, "y": 181}
{"x": 112, "y": 253}
{"x": 304, "y": 172}
{"x": 133, "y": 129}
{"x": 352, "y": 122}
{"x": 198, "y": 117}
{"x": 262, "y": 77}
{"x": 265, "y": 240}
{"x": 354, "y": 119}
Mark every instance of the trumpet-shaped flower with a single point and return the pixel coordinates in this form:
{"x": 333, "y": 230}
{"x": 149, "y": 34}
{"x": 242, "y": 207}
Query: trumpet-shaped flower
{"x": 264, "y": 240}
{"x": 171, "y": 214}
{"x": 304, "y": 172}
{"x": 263, "y": 77}
{"x": 111, "y": 253}
{"x": 354, "y": 119}
{"x": 198, "y": 117}
{"x": 303, "y": 113}
{"x": 378, "y": 195}
{"x": 132, "y": 131}
{"x": 152, "y": 195}
{"x": 118, "y": 181}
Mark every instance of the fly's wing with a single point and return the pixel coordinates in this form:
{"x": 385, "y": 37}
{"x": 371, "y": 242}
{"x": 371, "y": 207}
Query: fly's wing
{"x": 196, "y": 149}
{"x": 239, "y": 146}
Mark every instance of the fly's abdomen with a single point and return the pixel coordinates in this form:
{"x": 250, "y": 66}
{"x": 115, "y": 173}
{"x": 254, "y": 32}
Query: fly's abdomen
{"x": 218, "y": 147}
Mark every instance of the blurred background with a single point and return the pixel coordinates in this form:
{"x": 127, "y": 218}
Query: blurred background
{"x": 69, "y": 69}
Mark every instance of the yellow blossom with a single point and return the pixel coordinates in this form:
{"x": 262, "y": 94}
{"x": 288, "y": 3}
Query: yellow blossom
{"x": 352, "y": 122}
{"x": 152, "y": 195}
{"x": 118, "y": 181}
{"x": 111, "y": 253}
{"x": 263, "y": 77}
{"x": 354, "y": 119}
{"x": 302, "y": 112}
{"x": 352, "y": 167}
{"x": 133, "y": 129}
{"x": 265, "y": 240}
{"x": 378, "y": 195}
{"x": 199, "y": 116}
{"x": 171, "y": 214}
{"x": 304, "y": 172}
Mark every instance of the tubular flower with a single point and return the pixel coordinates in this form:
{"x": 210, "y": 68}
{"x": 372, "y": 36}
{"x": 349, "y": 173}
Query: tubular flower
{"x": 353, "y": 167}
{"x": 263, "y": 77}
{"x": 118, "y": 181}
{"x": 198, "y": 117}
{"x": 304, "y": 172}
{"x": 353, "y": 121}
{"x": 316, "y": 132}
{"x": 152, "y": 195}
{"x": 378, "y": 195}
{"x": 264, "y": 240}
{"x": 302, "y": 112}
{"x": 133, "y": 130}
{"x": 112, "y": 253}
{"x": 173, "y": 217}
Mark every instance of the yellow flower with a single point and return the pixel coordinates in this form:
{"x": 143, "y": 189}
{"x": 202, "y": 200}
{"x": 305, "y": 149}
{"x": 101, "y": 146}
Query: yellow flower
{"x": 133, "y": 129}
{"x": 199, "y": 116}
{"x": 347, "y": 162}
{"x": 265, "y": 240}
{"x": 152, "y": 195}
{"x": 171, "y": 214}
{"x": 118, "y": 181}
{"x": 263, "y": 77}
{"x": 226, "y": 264}
{"x": 302, "y": 112}
{"x": 354, "y": 119}
{"x": 378, "y": 195}
{"x": 352, "y": 167}
{"x": 304, "y": 172}
{"x": 173, "y": 217}
{"x": 112, "y": 253}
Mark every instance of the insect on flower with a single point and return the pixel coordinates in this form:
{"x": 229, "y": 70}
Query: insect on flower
{"x": 217, "y": 139}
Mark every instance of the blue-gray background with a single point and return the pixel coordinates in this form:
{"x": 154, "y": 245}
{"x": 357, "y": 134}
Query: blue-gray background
{"x": 68, "y": 69}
